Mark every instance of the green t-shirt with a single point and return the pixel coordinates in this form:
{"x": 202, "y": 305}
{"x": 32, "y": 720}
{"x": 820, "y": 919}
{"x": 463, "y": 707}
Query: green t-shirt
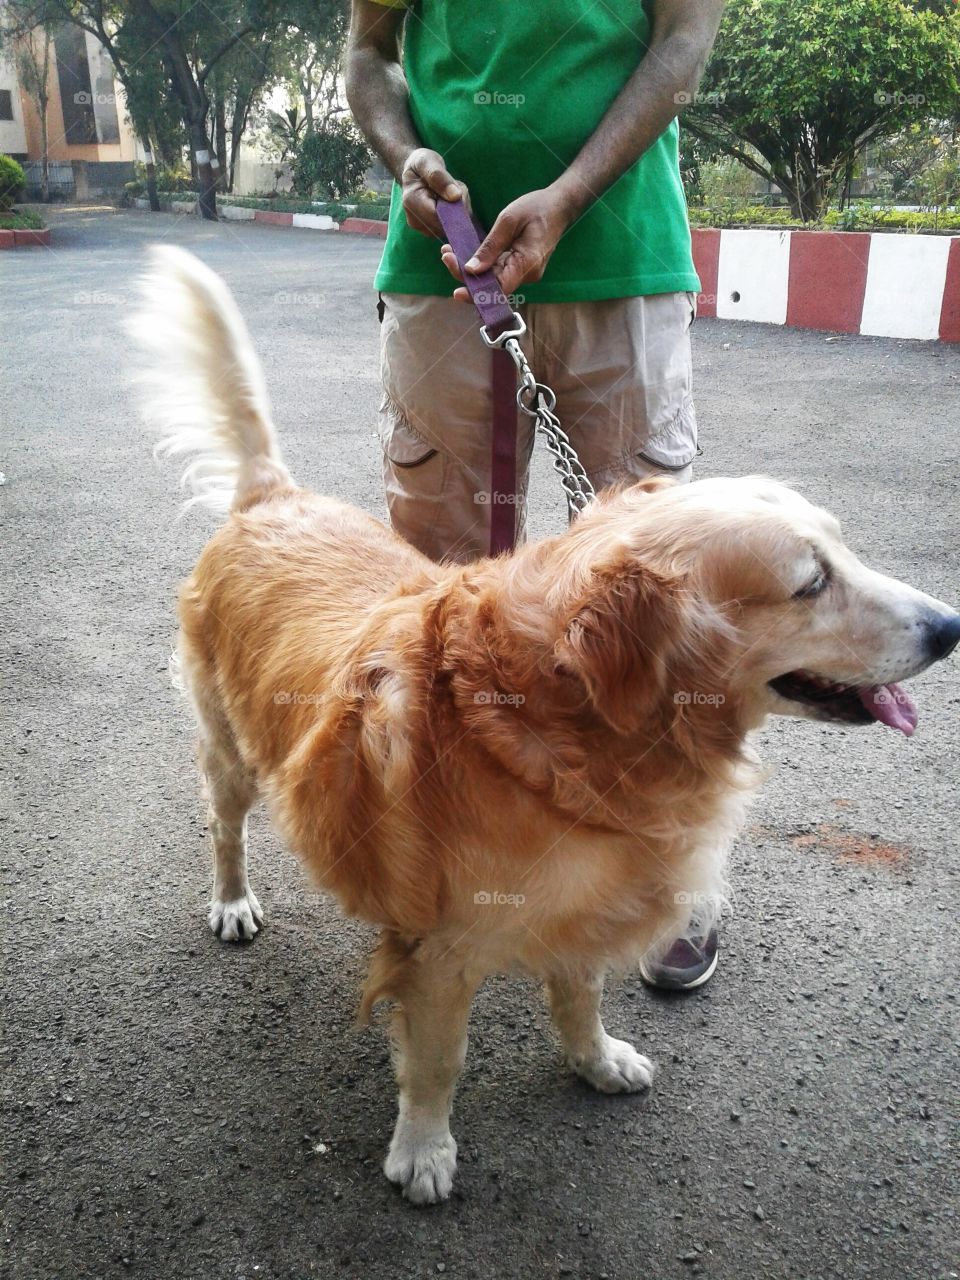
{"x": 508, "y": 91}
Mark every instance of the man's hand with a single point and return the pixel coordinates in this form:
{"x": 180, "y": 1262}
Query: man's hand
{"x": 425, "y": 179}
{"x": 519, "y": 244}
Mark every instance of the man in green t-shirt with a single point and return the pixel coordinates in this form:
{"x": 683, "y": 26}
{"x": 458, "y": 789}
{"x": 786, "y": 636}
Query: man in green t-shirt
{"x": 558, "y": 122}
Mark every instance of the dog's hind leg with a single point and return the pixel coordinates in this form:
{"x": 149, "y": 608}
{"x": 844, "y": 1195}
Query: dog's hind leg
{"x": 612, "y": 1066}
{"x": 434, "y": 992}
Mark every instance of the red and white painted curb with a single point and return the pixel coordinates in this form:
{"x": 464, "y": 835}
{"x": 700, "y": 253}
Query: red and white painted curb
{"x": 313, "y": 221}
{"x": 877, "y": 283}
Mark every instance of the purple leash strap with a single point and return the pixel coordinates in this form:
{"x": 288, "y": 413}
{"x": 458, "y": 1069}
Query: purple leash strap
{"x": 500, "y": 321}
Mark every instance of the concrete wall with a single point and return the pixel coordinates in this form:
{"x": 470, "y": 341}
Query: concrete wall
{"x": 256, "y": 176}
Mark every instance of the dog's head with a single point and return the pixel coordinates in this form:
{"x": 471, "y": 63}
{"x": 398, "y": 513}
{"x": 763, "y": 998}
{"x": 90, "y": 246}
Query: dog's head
{"x": 738, "y": 593}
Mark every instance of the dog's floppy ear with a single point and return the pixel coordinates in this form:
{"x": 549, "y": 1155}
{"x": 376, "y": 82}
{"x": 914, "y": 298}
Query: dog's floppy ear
{"x": 625, "y": 638}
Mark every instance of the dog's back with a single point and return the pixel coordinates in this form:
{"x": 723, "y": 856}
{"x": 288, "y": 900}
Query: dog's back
{"x": 240, "y": 637}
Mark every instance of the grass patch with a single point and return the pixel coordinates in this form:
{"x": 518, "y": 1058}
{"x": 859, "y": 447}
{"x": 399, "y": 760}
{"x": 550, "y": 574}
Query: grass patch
{"x": 25, "y": 220}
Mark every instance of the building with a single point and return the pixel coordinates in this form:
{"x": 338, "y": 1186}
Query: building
{"x": 90, "y": 146}
{"x": 13, "y": 135}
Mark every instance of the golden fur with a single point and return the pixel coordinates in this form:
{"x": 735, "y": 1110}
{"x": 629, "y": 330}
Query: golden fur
{"x": 537, "y": 761}
{"x": 423, "y": 733}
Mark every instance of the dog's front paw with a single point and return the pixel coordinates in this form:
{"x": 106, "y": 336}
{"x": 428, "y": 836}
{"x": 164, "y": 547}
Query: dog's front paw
{"x": 616, "y": 1068}
{"x": 237, "y": 920}
{"x": 423, "y": 1166}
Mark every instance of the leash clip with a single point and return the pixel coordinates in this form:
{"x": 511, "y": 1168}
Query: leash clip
{"x": 507, "y": 334}
{"x": 507, "y": 341}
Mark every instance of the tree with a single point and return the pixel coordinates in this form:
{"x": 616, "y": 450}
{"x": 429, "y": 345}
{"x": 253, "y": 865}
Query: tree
{"x": 237, "y": 86}
{"x": 28, "y": 29}
{"x": 141, "y": 76}
{"x": 178, "y": 33}
{"x": 796, "y": 92}
{"x": 194, "y": 39}
{"x": 310, "y": 60}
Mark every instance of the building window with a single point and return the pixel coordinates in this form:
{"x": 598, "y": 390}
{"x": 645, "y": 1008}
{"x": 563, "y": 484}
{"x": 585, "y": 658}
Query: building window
{"x": 6, "y": 104}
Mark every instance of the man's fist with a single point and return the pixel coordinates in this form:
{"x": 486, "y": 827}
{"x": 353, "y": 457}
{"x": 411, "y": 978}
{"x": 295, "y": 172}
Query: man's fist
{"x": 520, "y": 242}
{"x": 424, "y": 180}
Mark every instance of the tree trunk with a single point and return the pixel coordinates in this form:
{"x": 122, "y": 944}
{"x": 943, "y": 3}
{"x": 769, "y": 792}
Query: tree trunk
{"x": 44, "y": 151}
{"x": 220, "y": 129}
{"x": 306, "y": 92}
{"x": 151, "y": 169}
{"x": 238, "y": 122}
{"x": 847, "y": 196}
{"x": 812, "y": 198}
{"x": 805, "y": 192}
{"x": 206, "y": 179}
{"x": 43, "y": 99}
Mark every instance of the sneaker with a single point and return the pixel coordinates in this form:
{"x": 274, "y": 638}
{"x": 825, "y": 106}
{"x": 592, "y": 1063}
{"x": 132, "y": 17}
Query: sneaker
{"x": 689, "y": 962}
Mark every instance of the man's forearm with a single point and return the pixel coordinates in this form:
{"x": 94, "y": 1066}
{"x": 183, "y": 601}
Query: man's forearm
{"x": 379, "y": 99}
{"x": 642, "y": 110}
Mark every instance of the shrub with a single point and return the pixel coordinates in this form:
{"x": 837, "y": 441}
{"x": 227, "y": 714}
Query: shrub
{"x": 332, "y": 161}
{"x": 12, "y": 182}
{"x": 725, "y": 179}
{"x": 177, "y": 178}
{"x": 370, "y": 197}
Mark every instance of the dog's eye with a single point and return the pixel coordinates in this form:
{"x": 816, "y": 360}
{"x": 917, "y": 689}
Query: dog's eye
{"x": 813, "y": 588}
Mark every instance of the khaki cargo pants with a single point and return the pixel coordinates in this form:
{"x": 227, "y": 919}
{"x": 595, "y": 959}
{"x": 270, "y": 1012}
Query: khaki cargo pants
{"x": 621, "y": 371}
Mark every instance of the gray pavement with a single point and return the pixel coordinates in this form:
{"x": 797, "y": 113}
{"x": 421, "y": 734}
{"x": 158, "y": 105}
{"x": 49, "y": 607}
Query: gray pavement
{"x": 175, "y": 1107}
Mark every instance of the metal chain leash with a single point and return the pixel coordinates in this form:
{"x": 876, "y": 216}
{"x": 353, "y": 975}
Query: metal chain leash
{"x": 538, "y": 401}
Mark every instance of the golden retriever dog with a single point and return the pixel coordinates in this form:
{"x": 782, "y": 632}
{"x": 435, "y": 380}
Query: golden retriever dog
{"x": 534, "y": 763}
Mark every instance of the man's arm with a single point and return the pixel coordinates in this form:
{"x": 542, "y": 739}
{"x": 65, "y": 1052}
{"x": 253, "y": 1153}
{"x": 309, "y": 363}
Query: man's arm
{"x": 378, "y": 97}
{"x": 520, "y": 243}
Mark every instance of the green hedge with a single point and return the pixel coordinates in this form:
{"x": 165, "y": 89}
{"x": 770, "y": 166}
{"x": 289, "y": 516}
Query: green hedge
{"x": 279, "y": 204}
{"x": 282, "y": 204}
{"x": 856, "y": 217}
{"x": 334, "y": 209}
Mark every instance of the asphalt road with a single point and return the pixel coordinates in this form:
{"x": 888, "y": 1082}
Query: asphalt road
{"x": 176, "y": 1107}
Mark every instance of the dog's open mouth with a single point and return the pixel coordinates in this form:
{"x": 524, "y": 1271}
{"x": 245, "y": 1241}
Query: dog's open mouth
{"x": 887, "y": 703}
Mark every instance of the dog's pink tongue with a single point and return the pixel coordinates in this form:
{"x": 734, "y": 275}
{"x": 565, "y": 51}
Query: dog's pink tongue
{"x": 891, "y": 705}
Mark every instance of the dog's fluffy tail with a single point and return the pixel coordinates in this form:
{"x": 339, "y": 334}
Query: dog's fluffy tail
{"x": 203, "y": 387}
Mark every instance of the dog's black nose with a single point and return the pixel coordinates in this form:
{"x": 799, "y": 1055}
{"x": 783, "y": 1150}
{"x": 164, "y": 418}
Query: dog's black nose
{"x": 943, "y": 635}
